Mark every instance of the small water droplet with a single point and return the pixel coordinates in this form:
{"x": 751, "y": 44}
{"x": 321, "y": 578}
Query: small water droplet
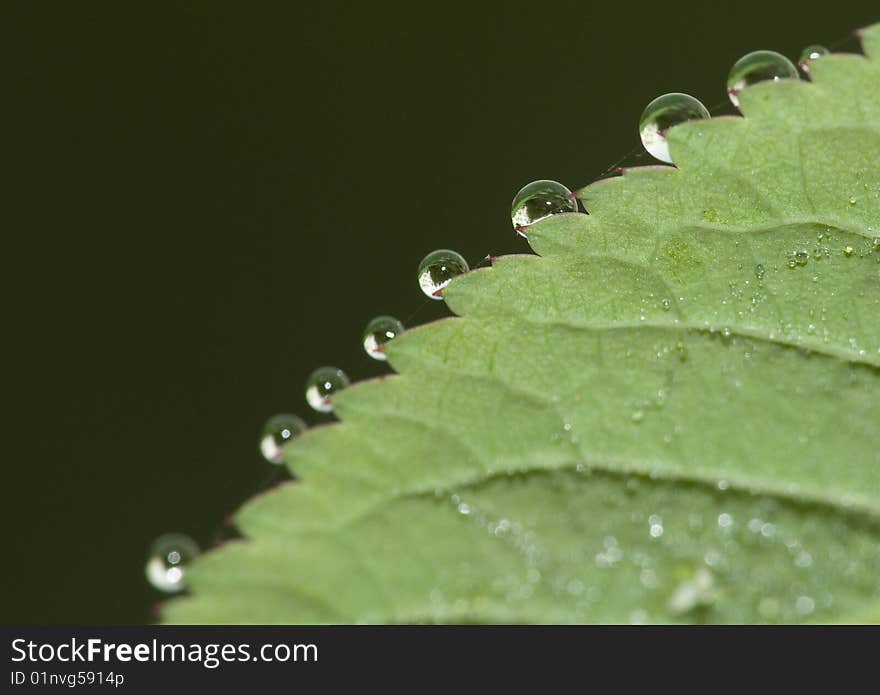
{"x": 811, "y": 53}
{"x": 655, "y": 526}
{"x": 848, "y": 250}
{"x": 681, "y": 350}
{"x": 662, "y": 114}
{"x": 437, "y": 270}
{"x": 798, "y": 258}
{"x": 379, "y": 332}
{"x": 169, "y": 556}
{"x": 279, "y": 431}
{"x": 322, "y": 384}
{"x": 758, "y": 66}
{"x": 853, "y": 200}
{"x": 538, "y": 201}
{"x": 759, "y": 271}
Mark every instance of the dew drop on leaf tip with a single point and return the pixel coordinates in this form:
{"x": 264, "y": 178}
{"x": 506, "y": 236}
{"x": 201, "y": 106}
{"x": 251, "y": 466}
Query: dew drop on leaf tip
{"x": 322, "y": 384}
{"x": 378, "y": 333}
{"x": 438, "y": 269}
{"x": 168, "y": 560}
{"x": 663, "y": 113}
{"x": 539, "y": 200}
{"x": 277, "y": 433}
{"x": 758, "y": 66}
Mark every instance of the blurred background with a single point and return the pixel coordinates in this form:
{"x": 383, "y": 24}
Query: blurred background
{"x": 210, "y": 199}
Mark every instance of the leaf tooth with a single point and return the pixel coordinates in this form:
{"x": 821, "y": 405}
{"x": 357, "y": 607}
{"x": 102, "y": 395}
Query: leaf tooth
{"x": 870, "y": 40}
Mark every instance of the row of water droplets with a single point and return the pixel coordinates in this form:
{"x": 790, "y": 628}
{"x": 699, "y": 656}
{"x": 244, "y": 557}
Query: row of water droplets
{"x": 538, "y": 200}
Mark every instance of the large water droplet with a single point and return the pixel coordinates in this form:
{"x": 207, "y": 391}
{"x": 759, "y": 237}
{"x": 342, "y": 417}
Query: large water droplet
{"x": 538, "y": 201}
{"x": 811, "y": 53}
{"x": 322, "y": 384}
{"x": 437, "y": 270}
{"x": 279, "y": 431}
{"x": 663, "y": 113}
{"x": 166, "y": 566}
{"x": 758, "y": 66}
{"x": 380, "y": 331}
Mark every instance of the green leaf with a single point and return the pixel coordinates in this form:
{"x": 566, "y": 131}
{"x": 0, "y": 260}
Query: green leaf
{"x": 656, "y": 419}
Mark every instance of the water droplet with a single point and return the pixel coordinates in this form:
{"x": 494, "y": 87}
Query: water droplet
{"x": 166, "y": 566}
{"x": 848, "y": 250}
{"x": 811, "y": 53}
{"x": 662, "y": 114}
{"x": 798, "y": 258}
{"x": 853, "y": 200}
{"x": 758, "y": 66}
{"x": 655, "y": 526}
{"x": 279, "y": 431}
{"x": 539, "y": 200}
{"x": 437, "y": 270}
{"x": 322, "y": 384}
{"x": 759, "y": 271}
{"x": 379, "y": 331}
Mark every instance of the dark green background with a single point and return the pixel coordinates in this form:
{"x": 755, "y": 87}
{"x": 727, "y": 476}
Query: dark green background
{"x": 207, "y": 201}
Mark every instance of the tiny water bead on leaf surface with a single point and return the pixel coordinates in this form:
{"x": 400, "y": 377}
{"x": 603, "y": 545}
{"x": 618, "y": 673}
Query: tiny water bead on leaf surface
{"x": 758, "y": 66}
{"x": 811, "y": 53}
{"x": 166, "y": 566}
{"x": 379, "y": 332}
{"x": 279, "y": 431}
{"x": 538, "y": 201}
{"x": 437, "y": 270}
{"x": 662, "y": 114}
{"x": 322, "y": 384}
